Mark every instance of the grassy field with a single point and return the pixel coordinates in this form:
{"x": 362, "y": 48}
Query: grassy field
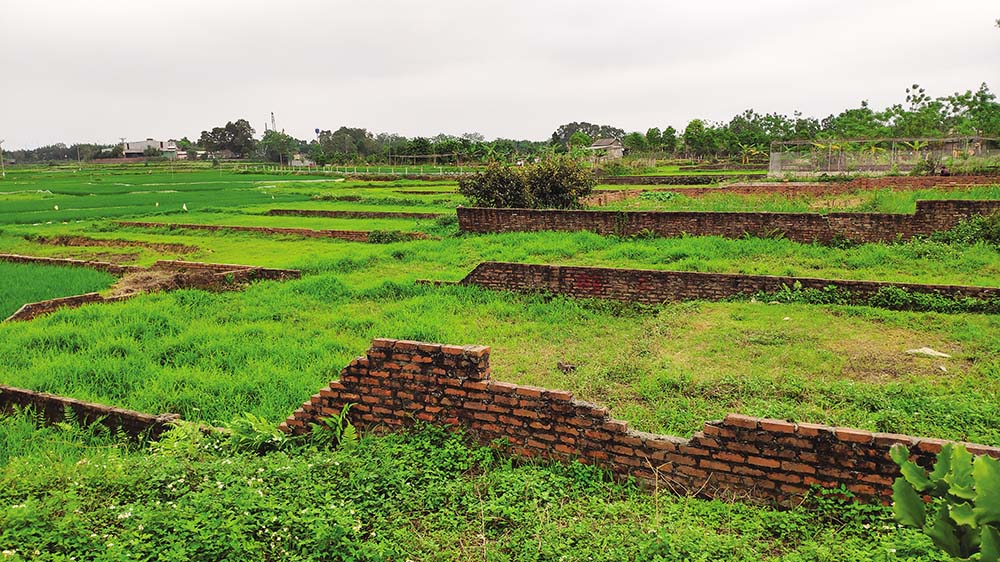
{"x": 874, "y": 201}
{"x": 214, "y": 356}
{"x": 24, "y": 283}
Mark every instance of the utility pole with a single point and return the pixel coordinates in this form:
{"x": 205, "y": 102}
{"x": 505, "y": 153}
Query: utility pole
{"x": 3, "y": 167}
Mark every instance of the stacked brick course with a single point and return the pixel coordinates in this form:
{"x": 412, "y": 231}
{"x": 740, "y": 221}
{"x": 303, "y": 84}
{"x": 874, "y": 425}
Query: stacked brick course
{"x": 53, "y": 408}
{"x": 400, "y": 382}
{"x": 353, "y": 214}
{"x": 931, "y": 216}
{"x": 655, "y": 287}
{"x": 349, "y": 235}
{"x": 796, "y": 189}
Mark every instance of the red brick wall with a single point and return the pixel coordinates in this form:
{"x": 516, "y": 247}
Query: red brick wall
{"x": 353, "y": 214}
{"x": 794, "y": 189}
{"x": 350, "y": 235}
{"x": 931, "y": 216}
{"x": 53, "y": 409}
{"x": 654, "y": 287}
{"x": 400, "y": 382}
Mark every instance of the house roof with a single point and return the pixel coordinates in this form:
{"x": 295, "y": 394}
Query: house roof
{"x": 605, "y": 143}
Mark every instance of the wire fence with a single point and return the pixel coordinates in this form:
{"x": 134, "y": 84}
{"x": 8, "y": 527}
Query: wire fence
{"x": 885, "y": 156}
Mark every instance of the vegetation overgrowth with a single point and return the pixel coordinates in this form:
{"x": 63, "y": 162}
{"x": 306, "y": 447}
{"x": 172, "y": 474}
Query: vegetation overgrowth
{"x": 423, "y": 495}
{"x": 861, "y": 201}
{"x": 23, "y": 283}
{"x": 215, "y": 357}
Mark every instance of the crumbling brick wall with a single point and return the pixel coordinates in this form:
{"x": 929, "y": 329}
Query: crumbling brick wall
{"x": 400, "y": 382}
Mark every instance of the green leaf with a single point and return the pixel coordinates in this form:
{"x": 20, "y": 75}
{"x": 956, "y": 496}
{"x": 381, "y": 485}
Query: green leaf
{"x": 942, "y": 466}
{"x": 942, "y": 531}
{"x": 907, "y": 506}
{"x": 989, "y": 545}
{"x": 916, "y": 476}
{"x": 898, "y": 452}
{"x": 959, "y": 478}
{"x": 962, "y": 514}
{"x": 986, "y": 471}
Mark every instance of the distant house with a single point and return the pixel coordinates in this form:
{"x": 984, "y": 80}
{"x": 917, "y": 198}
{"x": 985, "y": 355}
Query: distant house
{"x": 137, "y": 149}
{"x": 301, "y": 161}
{"x": 608, "y": 148}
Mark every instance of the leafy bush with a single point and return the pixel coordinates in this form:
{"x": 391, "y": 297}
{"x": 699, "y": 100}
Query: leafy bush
{"x": 970, "y": 231}
{"x": 496, "y": 186}
{"x": 557, "y": 182}
{"x": 963, "y": 516}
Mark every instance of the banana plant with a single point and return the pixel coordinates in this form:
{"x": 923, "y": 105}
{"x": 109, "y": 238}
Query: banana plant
{"x": 957, "y": 504}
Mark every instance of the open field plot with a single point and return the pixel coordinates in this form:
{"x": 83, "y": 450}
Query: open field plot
{"x": 214, "y": 356}
{"x": 24, "y": 283}
{"x": 875, "y": 201}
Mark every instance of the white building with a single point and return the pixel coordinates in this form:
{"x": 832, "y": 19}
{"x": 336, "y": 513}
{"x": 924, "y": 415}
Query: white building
{"x": 137, "y": 149}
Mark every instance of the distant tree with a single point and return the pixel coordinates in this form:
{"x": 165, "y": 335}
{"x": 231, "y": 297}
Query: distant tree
{"x": 635, "y": 142}
{"x": 580, "y": 139}
{"x": 654, "y": 138}
{"x": 562, "y": 135}
{"x": 152, "y": 152}
{"x": 701, "y": 139}
{"x": 236, "y": 136}
{"x": 277, "y": 146}
{"x": 668, "y": 139}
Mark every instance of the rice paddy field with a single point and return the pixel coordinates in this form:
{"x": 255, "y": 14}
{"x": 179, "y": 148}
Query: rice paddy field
{"x": 426, "y": 495}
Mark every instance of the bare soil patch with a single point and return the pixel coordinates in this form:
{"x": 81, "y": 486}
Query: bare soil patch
{"x": 85, "y": 241}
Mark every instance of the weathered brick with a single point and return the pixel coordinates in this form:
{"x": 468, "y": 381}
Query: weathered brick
{"x": 738, "y": 420}
{"x": 853, "y": 435}
{"x": 776, "y": 426}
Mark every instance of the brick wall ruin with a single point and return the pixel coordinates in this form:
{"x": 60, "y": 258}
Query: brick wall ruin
{"x": 400, "y": 382}
{"x": 53, "y": 408}
{"x": 655, "y": 287}
{"x": 353, "y": 214}
{"x": 349, "y": 235}
{"x": 931, "y": 216}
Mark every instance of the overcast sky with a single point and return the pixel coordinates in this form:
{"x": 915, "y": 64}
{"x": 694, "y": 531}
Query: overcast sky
{"x": 94, "y": 71}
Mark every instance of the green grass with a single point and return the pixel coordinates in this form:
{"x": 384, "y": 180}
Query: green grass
{"x": 24, "y": 283}
{"x": 873, "y": 201}
{"x": 667, "y": 369}
{"x": 425, "y": 495}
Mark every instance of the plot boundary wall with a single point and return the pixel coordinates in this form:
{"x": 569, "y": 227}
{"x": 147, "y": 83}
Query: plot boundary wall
{"x": 649, "y": 286}
{"x": 349, "y": 235}
{"x": 398, "y": 383}
{"x": 931, "y": 216}
{"x": 52, "y": 409}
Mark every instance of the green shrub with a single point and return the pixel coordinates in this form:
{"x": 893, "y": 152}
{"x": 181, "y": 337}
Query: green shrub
{"x": 963, "y": 516}
{"x": 557, "y": 182}
{"x": 496, "y": 186}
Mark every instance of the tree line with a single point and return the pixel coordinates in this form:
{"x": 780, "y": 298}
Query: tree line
{"x": 746, "y": 135}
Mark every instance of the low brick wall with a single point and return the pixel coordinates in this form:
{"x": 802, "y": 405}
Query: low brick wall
{"x": 798, "y": 189}
{"x": 400, "y": 382}
{"x": 33, "y": 310}
{"x": 693, "y": 179}
{"x": 53, "y": 409}
{"x": 655, "y": 287}
{"x": 183, "y": 275}
{"x": 350, "y": 235}
{"x": 112, "y": 268}
{"x": 353, "y": 214}
{"x": 931, "y": 216}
